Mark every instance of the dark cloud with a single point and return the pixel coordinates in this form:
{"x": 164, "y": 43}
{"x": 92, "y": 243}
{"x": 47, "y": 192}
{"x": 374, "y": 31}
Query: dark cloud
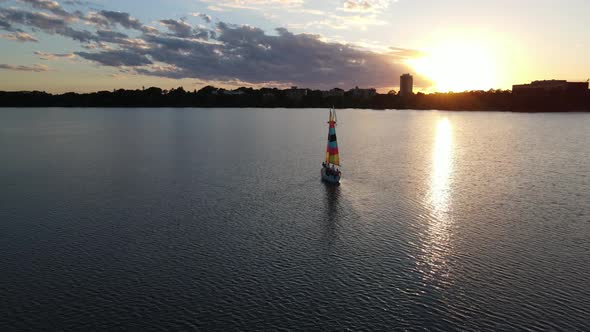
{"x": 109, "y": 36}
{"x": 34, "y": 68}
{"x": 116, "y": 58}
{"x": 202, "y": 33}
{"x": 178, "y": 28}
{"x": 123, "y": 19}
{"x": 174, "y": 44}
{"x": 79, "y": 35}
{"x": 47, "y": 22}
{"x": 223, "y": 53}
{"x": 250, "y": 55}
{"x": 4, "y": 25}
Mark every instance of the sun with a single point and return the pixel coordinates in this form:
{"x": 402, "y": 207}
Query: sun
{"x": 459, "y": 64}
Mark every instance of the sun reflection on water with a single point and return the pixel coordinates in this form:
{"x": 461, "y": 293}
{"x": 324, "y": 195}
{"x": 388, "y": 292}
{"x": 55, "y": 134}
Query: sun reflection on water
{"x": 438, "y": 244}
{"x": 442, "y": 164}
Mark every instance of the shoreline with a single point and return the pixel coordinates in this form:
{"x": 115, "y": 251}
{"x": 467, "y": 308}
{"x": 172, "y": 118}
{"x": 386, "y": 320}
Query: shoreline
{"x": 211, "y": 97}
{"x": 294, "y": 108}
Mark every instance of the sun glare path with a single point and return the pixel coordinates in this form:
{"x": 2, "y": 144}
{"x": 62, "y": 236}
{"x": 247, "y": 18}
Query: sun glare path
{"x": 438, "y": 244}
{"x": 442, "y": 168}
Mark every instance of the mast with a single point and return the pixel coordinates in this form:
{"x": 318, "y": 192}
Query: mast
{"x": 332, "y": 156}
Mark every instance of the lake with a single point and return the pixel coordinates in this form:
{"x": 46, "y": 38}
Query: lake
{"x": 216, "y": 219}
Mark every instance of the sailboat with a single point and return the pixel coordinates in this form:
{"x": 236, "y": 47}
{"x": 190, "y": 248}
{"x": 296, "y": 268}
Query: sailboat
{"x": 330, "y": 172}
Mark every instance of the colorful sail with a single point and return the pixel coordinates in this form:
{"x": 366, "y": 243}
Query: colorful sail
{"x": 332, "y": 156}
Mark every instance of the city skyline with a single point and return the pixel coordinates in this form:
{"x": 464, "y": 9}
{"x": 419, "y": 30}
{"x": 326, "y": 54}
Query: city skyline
{"x": 447, "y": 46}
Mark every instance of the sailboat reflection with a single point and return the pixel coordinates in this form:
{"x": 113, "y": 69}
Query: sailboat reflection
{"x": 332, "y": 202}
{"x": 438, "y": 243}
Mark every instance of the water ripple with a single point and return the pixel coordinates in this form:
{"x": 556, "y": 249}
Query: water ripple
{"x": 216, "y": 220}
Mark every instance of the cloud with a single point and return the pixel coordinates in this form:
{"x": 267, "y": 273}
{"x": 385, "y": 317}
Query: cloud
{"x": 44, "y": 21}
{"x": 221, "y": 5}
{"x": 346, "y": 22}
{"x": 184, "y": 30}
{"x": 179, "y": 28}
{"x": 34, "y": 68}
{"x": 19, "y": 36}
{"x": 249, "y": 54}
{"x": 54, "y": 56}
{"x": 96, "y": 19}
{"x": 365, "y": 5}
{"x": 52, "y": 23}
{"x": 215, "y": 8}
{"x": 52, "y": 6}
{"x": 406, "y": 53}
{"x": 123, "y": 19}
{"x": 116, "y": 58}
{"x": 223, "y": 52}
{"x": 48, "y": 23}
{"x": 202, "y": 16}
{"x": 109, "y": 36}
{"x": 79, "y": 3}
{"x": 4, "y": 25}
{"x": 149, "y": 29}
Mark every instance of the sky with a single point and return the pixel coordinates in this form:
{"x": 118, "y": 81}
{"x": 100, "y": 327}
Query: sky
{"x": 448, "y": 45}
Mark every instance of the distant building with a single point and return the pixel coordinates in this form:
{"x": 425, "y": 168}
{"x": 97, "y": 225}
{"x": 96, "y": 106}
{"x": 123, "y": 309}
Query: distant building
{"x": 550, "y": 86}
{"x": 336, "y": 92}
{"x": 362, "y": 93}
{"x": 550, "y": 95}
{"x": 406, "y": 85}
{"x": 295, "y": 93}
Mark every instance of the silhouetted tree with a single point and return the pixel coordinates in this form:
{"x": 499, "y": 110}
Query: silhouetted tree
{"x": 209, "y": 96}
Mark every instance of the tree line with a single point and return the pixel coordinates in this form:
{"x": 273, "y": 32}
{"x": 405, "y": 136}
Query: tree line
{"x": 209, "y": 96}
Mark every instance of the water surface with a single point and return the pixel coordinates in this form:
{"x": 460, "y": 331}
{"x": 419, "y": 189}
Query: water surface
{"x": 215, "y": 219}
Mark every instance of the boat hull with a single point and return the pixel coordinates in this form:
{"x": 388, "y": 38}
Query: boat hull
{"x": 330, "y": 178}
